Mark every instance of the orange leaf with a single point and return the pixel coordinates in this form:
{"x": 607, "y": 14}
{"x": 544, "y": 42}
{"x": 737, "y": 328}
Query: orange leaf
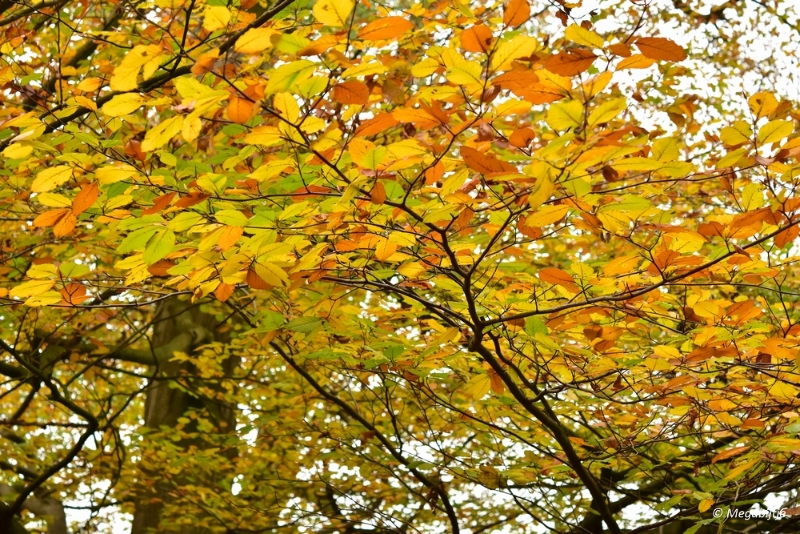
{"x": 377, "y": 124}
{"x": 570, "y": 63}
{"x": 522, "y": 137}
{"x": 49, "y": 218}
{"x": 85, "y": 198}
{"x": 159, "y": 204}
{"x": 787, "y": 236}
{"x": 255, "y": 281}
{"x": 385, "y": 28}
{"x": 485, "y": 164}
{"x": 477, "y": 38}
{"x": 660, "y": 48}
{"x": 620, "y": 49}
{"x": 378, "y": 194}
{"x": 74, "y": 293}
{"x": 554, "y": 275}
{"x": 516, "y": 12}
{"x": 636, "y": 61}
{"x": 434, "y": 173}
{"x": 497, "y": 383}
{"x": 351, "y": 93}
{"x": 229, "y": 236}
{"x": 191, "y": 199}
{"x": 224, "y": 291}
{"x": 65, "y": 225}
{"x": 730, "y": 453}
{"x": 239, "y": 109}
{"x": 161, "y": 267}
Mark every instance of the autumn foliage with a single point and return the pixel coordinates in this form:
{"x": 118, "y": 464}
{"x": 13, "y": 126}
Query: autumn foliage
{"x": 436, "y": 266}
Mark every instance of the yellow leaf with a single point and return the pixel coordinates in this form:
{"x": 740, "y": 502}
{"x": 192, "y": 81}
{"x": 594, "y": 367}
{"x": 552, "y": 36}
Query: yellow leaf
{"x": 478, "y": 386}
{"x": 332, "y": 12}
{"x": 286, "y": 76}
{"x": 31, "y": 288}
{"x": 263, "y": 135}
{"x": 775, "y": 131}
{"x": 287, "y": 106}
{"x": 385, "y": 249}
{"x": 215, "y": 18}
{"x": 582, "y": 36}
{"x": 51, "y": 178}
{"x": 272, "y": 274}
{"x": 736, "y": 134}
{"x": 547, "y": 215}
{"x": 255, "y": 40}
{"x": 607, "y": 111}
{"x": 704, "y": 505}
{"x": 122, "y": 105}
{"x": 109, "y": 174}
{"x": 565, "y": 115}
{"x": 89, "y": 84}
{"x": 191, "y": 127}
{"x": 762, "y": 104}
{"x": 54, "y": 200}
{"x": 17, "y": 151}
{"x": 752, "y": 197}
{"x": 519, "y": 46}
{"x": 365, "y": 69}
{"x": 732, "y": 158}
{"x": 636, "y": 164}
{"x": 162, "y": 133}
{"x": 625, "y": 264}
{"x": 127, "y": 72}
{"x": 782, "y": 390}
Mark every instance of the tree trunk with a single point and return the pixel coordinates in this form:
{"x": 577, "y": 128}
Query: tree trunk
{"x": 165, "y": 403}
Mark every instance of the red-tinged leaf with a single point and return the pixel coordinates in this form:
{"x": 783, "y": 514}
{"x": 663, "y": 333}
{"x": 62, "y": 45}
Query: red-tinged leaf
{"x": 378, "y": 124}
{"x": 74, "y": 294}
{"x": 191, "y": 199}
{"x": 159, "y": 204}
{"x": 497, "y": 383}
{"x": 660, "y": 48}
{"x": 619, "y": 49}
{"x": 229, "y": 236}
{"x": 255, "y": 281}
{"x": 385, "y": 28}
{"x": 65, "y": 225}
{"x": 434, "y": 173}
{"x": 483, "y": 163}
{"x": 224, "y": 291}
{"x": 516, "y": 12}
{"x": 570, "y": 63}
{"x": 522, "y": 138}
{"x": 787, "y": 236}
{"x": 239, "y": 110}
{"x": 161, "y": 267}
{"x": 554, "y": 275}
{"x": 351, "y": 93}
{"x": 477, "y": 38}
{"x": 50, "y": 218}
{"x": 85, "y": 198}
{"x": 378, "y": 193}
{"x": 730, "y": 453}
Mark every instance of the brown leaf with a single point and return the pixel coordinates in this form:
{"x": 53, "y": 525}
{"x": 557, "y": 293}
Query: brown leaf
{"x": 570, "y": 63}
{"x": 660, "y": 48}
{"x": 378, "y": 194}
{"x": 483, "y": 163}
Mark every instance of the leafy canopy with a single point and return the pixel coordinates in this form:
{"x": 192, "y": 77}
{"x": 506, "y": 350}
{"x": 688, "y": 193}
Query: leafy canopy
{"x": 436, "y": 266}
